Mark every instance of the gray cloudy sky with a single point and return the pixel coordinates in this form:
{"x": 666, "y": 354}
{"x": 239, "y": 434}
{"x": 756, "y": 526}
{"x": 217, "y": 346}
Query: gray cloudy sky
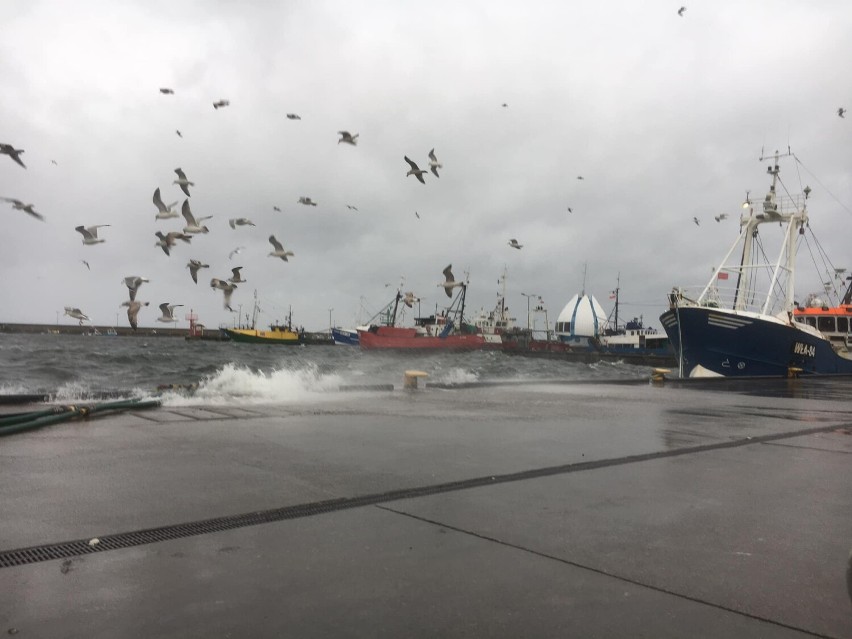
{"x": 664, "y": 116}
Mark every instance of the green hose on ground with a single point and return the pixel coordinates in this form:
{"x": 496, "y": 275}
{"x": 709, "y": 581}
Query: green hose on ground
{"x": 37, "y": 419}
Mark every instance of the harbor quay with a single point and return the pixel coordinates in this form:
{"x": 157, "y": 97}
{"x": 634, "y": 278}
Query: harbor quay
{"x": 674, "y": 509}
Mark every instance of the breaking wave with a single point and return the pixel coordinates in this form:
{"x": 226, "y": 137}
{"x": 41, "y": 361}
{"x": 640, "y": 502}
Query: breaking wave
{"x": 240, "y": 385}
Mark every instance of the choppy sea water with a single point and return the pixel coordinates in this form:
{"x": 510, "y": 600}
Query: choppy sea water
{"x": 78, "y": 367}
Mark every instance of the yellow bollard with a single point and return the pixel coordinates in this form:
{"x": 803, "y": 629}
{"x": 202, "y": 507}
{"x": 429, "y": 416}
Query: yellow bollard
{"x": 658, "y": 375}
{"x": 793, "y": 372}
{"x": 409, "y": 379}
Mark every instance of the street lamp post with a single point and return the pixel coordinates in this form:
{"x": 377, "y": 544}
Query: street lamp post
{"x": 528, "y": 296}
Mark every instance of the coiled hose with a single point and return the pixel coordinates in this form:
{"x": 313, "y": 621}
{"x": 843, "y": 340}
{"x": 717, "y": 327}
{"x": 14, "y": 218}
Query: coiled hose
{"x": 20, "y": 422}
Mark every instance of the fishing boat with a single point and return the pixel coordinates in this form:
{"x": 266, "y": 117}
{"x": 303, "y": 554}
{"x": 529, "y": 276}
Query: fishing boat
{"x": 283, "y": 335}
{"x": 754, "y": 328}
{"x": 387, "y": 316}
{"x": 442, "y": 331}
{"x": 834, "y": 322}
{"x": 633, "y": 338}
{"x": 344, "y": 336}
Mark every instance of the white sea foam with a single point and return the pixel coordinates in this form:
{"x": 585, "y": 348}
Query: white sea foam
{"x": 454, "y": 376}
{"x": 239, "y": 385}
{"x": 14, "y": 389}
{"x": 81, "y": 392}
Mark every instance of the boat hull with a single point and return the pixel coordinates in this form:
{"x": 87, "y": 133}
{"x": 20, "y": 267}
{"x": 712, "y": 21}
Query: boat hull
{"x": 282, "y": 337}
{"x": 344, "y": 336}
{"x": 389, "y": 337}
{"x": 720, "y": 342}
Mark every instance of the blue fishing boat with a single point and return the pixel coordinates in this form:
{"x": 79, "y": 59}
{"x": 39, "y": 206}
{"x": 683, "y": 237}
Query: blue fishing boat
{"x": 751, "y": 327}
{"x": 344, "y": 336}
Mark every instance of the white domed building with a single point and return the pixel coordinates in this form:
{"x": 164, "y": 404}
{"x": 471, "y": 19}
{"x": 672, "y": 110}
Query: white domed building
{"x": 581, "y": 320}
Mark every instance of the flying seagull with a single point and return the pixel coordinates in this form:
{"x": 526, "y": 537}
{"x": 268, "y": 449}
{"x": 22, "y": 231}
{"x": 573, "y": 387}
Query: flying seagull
{"x": 276, "y": 208}
{"x": 409, "y": 299}
{"x": 133, "y": 282}
{"x": 720, "y": 217}
{"x": 240, "y": 221}
{"x": 236, "y": 251}
{"x": 193, "y": 267}
{"x": 26, "y": 208}
{"x": 168, "y": 311}
{"x": 697, "y": 221}
{"x": 77, "y": 314}
{"x": 449, "y": 281}
{"x": 182, "y": 181}
{"x": 417, "y": 215}
{"x": 580, "y": 177}
{"x": 681, "y": 11}
{"x": 226, "y": 287}
{"x": 236, "y": 278}
{"x": 179, "y": 134}
{"x": 841, "y": 112}
{"x": 221, "y": 103}
{"x": 293, "y": 116}
{"x": 415, "y": 170}
{"x": 306, "y": 201}
{"x": 192, "y": 225}
{"x": 133, "y": 311}
{"x": 163, "y": 212}
{"x": 504, "y": 105}
{"x": 347, "y": 137}
{"x": 351, "y": 208}
{"x": 12, "y": 152}
{"x": 434, "y": 165}
{"x": 90, "y": 233}
{"x": 87, "y": 264}
{"x": 279, "y": 249}
{"x": 167, "y": 241}
{"x": 570, "y": 210}
{"x": 514, "y": 244}
{"x": 167, "y": 91}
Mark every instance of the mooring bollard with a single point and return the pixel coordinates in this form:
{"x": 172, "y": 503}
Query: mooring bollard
{"x": 658, "y": 375}
{"x": 409, "y": 378}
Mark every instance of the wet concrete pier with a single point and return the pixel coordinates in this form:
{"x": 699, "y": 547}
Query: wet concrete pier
{"x": 580, "y": 510}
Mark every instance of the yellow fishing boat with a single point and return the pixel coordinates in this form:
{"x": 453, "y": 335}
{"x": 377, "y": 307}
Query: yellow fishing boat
{"x": 277, "y": 334}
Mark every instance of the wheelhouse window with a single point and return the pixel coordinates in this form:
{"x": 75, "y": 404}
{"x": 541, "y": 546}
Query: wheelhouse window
{"x": 842, "y": 324}
{"x": 826, "y": 324}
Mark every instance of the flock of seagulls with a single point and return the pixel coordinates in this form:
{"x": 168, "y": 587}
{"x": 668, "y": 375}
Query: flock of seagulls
{"x": 194, "y": 225}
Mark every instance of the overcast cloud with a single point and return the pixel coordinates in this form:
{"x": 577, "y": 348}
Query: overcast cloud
{"x": 664, "y": 117}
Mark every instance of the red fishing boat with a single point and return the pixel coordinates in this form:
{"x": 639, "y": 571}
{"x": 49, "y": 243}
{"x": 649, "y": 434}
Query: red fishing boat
{"x": 445, "y": 331}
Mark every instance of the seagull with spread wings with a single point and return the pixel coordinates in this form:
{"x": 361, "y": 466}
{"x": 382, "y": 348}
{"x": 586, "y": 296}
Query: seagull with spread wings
{"x": 90, "y": 233}
{"x": 415, "y": 170}
{"x": 26, "y": 208}
{"x": 193, "y": 267}
{"x": 279, "y": 249}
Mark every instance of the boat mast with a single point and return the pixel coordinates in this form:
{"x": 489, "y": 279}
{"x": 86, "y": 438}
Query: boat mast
{"x": 502, "y": 293}
{"x": 395, "y": 307}
{"x": 254, "y": 312}
{"x": 617, "y": 287}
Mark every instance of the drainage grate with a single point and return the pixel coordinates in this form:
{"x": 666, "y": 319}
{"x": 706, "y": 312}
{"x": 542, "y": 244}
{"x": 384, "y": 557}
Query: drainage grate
{"x": 47, "y": 552}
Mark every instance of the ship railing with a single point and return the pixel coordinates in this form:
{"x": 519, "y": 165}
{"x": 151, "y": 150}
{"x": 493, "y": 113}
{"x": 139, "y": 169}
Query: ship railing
{"x": 725, "y": 296}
